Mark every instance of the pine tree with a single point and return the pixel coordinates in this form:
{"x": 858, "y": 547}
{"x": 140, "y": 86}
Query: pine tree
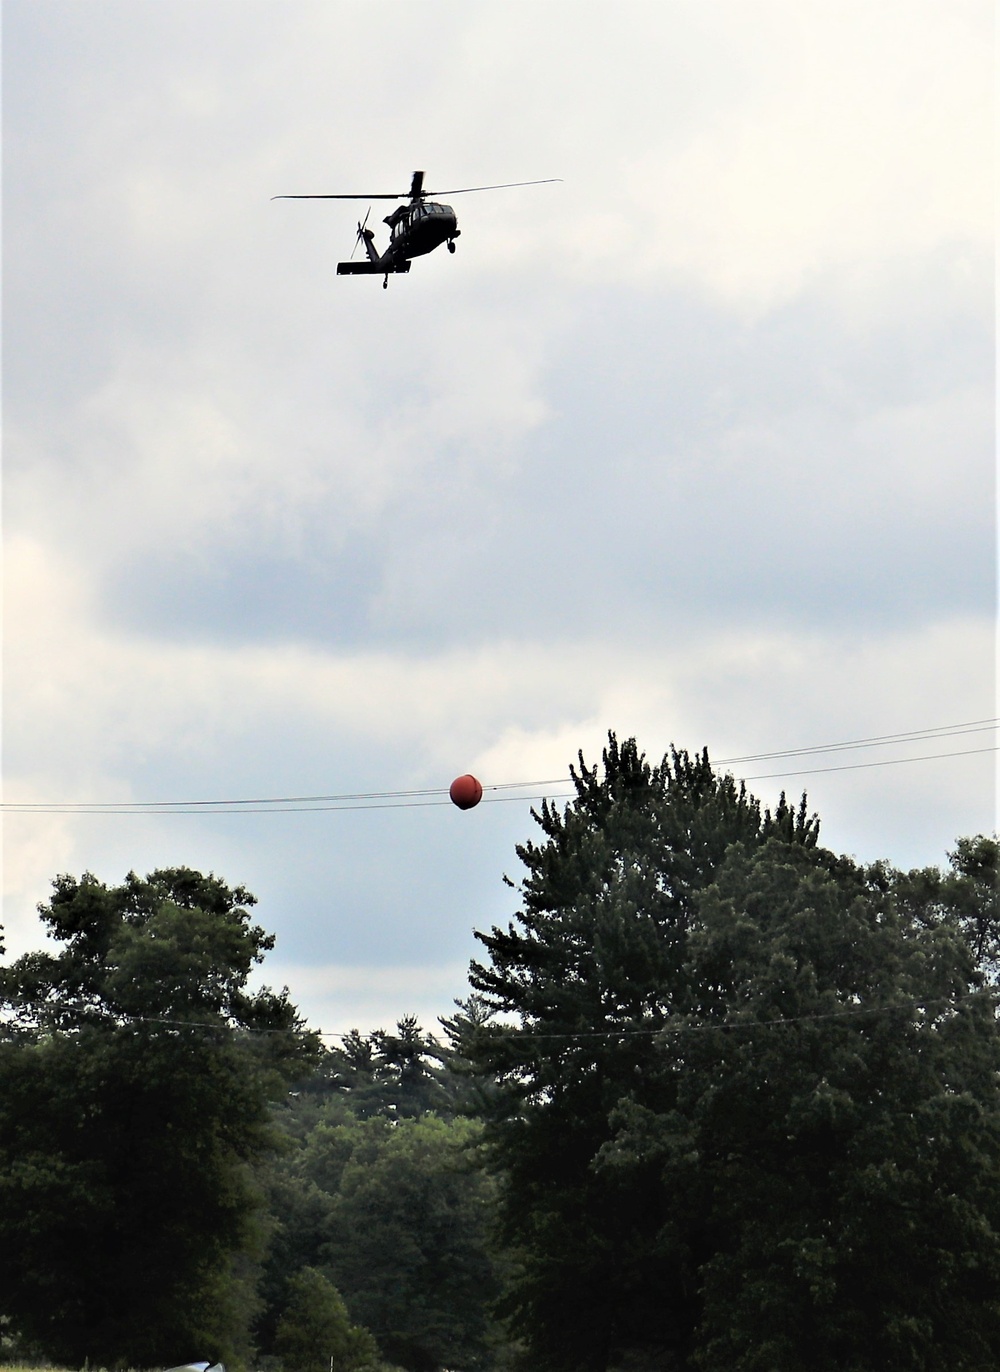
{"x": 714, "y": 1044}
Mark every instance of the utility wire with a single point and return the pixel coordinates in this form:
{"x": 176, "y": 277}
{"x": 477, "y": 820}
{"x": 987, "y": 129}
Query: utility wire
{"x": 583, "y": 1035}
{"x": 976, "y": 726}
{"x": 419, "y": 797}
{"x": 856, "y": 766}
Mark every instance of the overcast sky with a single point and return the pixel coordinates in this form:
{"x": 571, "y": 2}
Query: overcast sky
{"x": 695, "y": 445}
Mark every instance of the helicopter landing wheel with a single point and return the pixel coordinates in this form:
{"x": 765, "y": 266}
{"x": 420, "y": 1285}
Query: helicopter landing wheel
{"x": 451, "y": 246}
{"x": 385, "y": 284}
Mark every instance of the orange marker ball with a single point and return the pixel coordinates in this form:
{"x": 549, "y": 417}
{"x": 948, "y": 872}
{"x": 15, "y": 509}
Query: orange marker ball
{"x": 465, "y": 792}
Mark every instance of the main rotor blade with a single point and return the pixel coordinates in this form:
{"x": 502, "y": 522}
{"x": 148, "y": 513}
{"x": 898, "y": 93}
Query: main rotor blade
{"x": 404, "y": 196}
{"x": 417, "y": 185}
{"x": 507, "y": 185}
{"x": 407, "y": 195}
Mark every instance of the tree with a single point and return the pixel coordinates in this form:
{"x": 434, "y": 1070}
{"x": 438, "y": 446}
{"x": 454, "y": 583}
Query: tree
{"x": 968, "y": 895}
{"x": 408, "y": 1238}
{"x": 397, "y": 1214}
{"x": 134, "y": 1090}
{"x": 747, "y": 1116}
{"x": 315, "y": 1332}
{"x": 399, "y": 1075}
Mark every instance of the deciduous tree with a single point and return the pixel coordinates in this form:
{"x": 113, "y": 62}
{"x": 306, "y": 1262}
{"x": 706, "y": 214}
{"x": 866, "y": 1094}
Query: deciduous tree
{"x": 134, "y": 1088}
{"x": 315, "y": 1332}
{"x": 408, "y": 1241}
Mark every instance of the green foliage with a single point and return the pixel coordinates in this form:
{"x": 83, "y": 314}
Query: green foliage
{"x": 831, "y": 1156}
{"x": 740, "y": 1100}
{"x": 397, "y": 1214}
{"x": 747, "y": 1116}
{"x": 967, "y": 895}
{"x": 315, "y": 1332}
{"x": 407, "y": 1240}
{"x": 134, "y": 1086}
{"x": 398, "y": 1075}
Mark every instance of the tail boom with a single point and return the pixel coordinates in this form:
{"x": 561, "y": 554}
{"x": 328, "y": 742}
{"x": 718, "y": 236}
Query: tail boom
{"x": 371, "y": 268}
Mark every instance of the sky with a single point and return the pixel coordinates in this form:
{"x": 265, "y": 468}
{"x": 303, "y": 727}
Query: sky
{"x": 695, "y": 444}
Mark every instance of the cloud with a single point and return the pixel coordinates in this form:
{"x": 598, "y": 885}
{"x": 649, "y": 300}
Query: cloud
{"x": 857, "y": 133}
{"x": 642, "y": 458}
{"x": 336, "y": 999}
{"x": 746, "y": 149}
{"x": 696, "y": 445}
{"x": 98, "y": 715}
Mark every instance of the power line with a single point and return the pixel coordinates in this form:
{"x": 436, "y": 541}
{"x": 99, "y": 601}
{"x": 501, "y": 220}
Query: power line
{"x": 581, "y": 1035}
{"x": 883, "y": 762}
{"x": 703, "y": 1026}
{"x": 425, "y": 796}
{"x": 975, "y": 726}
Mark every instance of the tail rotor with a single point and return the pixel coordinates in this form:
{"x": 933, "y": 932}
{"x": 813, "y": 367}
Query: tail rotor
{"x": 362, "y": 225}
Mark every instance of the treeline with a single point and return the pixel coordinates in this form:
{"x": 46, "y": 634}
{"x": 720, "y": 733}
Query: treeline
{"x": 720, "y": 1099}
{"x": 381, "y": 1196}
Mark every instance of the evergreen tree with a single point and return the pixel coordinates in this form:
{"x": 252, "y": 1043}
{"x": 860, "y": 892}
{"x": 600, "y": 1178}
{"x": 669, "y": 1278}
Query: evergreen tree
{"x": 746, "y": 1114}
{"x": 967, "y": 895}
{"x": 401, "y": 1075}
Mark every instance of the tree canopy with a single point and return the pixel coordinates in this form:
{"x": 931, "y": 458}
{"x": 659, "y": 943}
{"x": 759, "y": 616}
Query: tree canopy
{"x": 399, "y": 1075}
{"x": 135, "y": 1075}
{"x": 396, "y": 1213}
{"x": 747, "y": 1112}
{"x": 719, "y": 1099}
{"x": 315, "y": 1332}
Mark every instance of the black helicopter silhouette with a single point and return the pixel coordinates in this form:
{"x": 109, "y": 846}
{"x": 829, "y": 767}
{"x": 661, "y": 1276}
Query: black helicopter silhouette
{"x": 414, "y": 229}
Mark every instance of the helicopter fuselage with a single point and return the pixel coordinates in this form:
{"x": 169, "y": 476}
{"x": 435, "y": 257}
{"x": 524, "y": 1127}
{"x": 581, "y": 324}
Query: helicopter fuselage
{"x": 414, "y": 230}
{"x": 420, "y": 228}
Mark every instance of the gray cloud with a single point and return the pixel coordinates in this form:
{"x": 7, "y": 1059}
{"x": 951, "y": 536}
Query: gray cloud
{"x": 697, "y": 444}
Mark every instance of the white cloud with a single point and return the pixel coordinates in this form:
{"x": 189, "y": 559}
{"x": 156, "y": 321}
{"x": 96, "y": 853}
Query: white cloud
{"x": 862, "y": 135}
{"x": 748, "y": 148}
{"x": 89, "y": 710}
{"x": 581, "y": 501}
{"x": 335, "y": 998}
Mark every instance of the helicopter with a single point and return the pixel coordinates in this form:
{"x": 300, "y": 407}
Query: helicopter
{"x": 414, "y": 229}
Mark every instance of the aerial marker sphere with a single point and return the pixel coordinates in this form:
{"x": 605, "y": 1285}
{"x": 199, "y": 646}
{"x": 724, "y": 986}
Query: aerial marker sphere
{"x": 465, "y": 792}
